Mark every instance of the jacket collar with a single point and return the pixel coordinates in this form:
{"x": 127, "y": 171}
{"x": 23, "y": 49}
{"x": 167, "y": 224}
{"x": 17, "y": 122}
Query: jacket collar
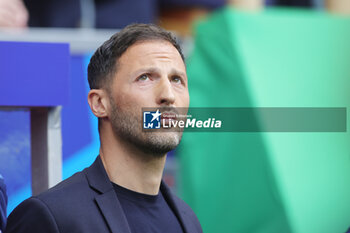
{"x": 97, "y": 177}
{"x": 110, "y": 206}
{"x": 175, "y": 204}
{"x": 107, "y": 201}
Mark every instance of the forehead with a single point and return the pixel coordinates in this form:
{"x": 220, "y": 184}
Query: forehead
{"x": 151, "y": 52}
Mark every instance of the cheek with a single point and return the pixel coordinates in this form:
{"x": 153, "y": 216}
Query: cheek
{"x": 136, "y": 98}
{"x": 187, "y": 100}
{"x": 183, "y": 99}
{"x": 131, "y": 97}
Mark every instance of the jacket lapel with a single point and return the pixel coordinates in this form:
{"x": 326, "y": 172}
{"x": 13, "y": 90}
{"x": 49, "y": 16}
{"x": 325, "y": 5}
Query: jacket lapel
{"x": 113, "y": 212}
{"x": 180, "y": 213}
{"x": 107, "y": 200}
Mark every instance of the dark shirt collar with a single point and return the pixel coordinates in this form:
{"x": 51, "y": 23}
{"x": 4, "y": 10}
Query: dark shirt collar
{"x": 136, "y": 196}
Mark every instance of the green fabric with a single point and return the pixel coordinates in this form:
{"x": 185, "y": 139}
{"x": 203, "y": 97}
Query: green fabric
{"x": 269, "y": 182}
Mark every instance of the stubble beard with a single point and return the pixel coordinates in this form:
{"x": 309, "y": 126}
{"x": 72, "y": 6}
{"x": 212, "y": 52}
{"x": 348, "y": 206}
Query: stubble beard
{"x": 127, "y": 125}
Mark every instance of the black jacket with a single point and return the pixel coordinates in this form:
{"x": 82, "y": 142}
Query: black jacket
{"x": 86, "y": 202}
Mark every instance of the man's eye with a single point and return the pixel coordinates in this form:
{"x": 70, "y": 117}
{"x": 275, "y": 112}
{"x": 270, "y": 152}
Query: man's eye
{"x": 176, "y": 79}
{"x": 143, "y": 77}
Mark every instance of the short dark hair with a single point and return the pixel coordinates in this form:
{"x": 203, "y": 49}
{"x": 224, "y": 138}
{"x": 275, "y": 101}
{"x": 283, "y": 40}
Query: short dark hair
{"x": 103, "y": 63}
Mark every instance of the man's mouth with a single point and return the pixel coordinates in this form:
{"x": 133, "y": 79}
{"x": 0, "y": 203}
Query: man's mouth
{"x": 167, "y": 117}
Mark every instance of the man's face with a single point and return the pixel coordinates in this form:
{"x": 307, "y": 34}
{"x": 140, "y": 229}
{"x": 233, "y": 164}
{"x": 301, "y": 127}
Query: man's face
{"x": 149, "y": 74}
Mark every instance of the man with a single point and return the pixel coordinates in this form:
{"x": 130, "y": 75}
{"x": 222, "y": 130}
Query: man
{"x": 141, "y": 66}
{"x": 3, "y": 204}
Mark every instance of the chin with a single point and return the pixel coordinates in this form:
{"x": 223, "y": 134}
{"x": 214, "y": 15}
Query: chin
{"x": 162, "y": 142}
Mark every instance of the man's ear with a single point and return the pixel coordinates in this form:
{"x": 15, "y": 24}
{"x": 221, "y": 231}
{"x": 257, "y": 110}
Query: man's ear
{"x": 99, "y": 102}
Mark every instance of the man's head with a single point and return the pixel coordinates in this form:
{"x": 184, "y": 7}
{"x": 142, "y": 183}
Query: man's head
{"x": 104, "y": 63}
{"x": 141, "y": 66}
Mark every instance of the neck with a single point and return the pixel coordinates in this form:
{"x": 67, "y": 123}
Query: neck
{"x": 129, "y": 167}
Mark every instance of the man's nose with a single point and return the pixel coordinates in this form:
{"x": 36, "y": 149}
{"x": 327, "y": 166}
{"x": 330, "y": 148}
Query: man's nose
{"x": 165, "y": 92}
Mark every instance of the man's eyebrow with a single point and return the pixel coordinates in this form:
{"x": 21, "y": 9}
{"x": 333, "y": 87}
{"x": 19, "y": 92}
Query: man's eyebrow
{"x": 150, "y": 70}
{"x": 153, "y": 70}
{"x": 178, "y": 72}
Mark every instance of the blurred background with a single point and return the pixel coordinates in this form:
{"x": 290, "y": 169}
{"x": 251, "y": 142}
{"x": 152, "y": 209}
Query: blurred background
{"x": 239, "y": 53}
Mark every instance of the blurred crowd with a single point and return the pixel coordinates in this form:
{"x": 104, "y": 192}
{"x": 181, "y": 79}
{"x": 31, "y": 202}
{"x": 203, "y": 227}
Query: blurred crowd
{"x": 116, "y": 13}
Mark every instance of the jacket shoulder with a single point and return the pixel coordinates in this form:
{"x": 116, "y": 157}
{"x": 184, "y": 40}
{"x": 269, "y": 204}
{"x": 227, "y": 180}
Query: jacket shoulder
{"x": 48, "y": 211}
{"x": 32, "y": 215}
{"x": 73, "y": 185}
